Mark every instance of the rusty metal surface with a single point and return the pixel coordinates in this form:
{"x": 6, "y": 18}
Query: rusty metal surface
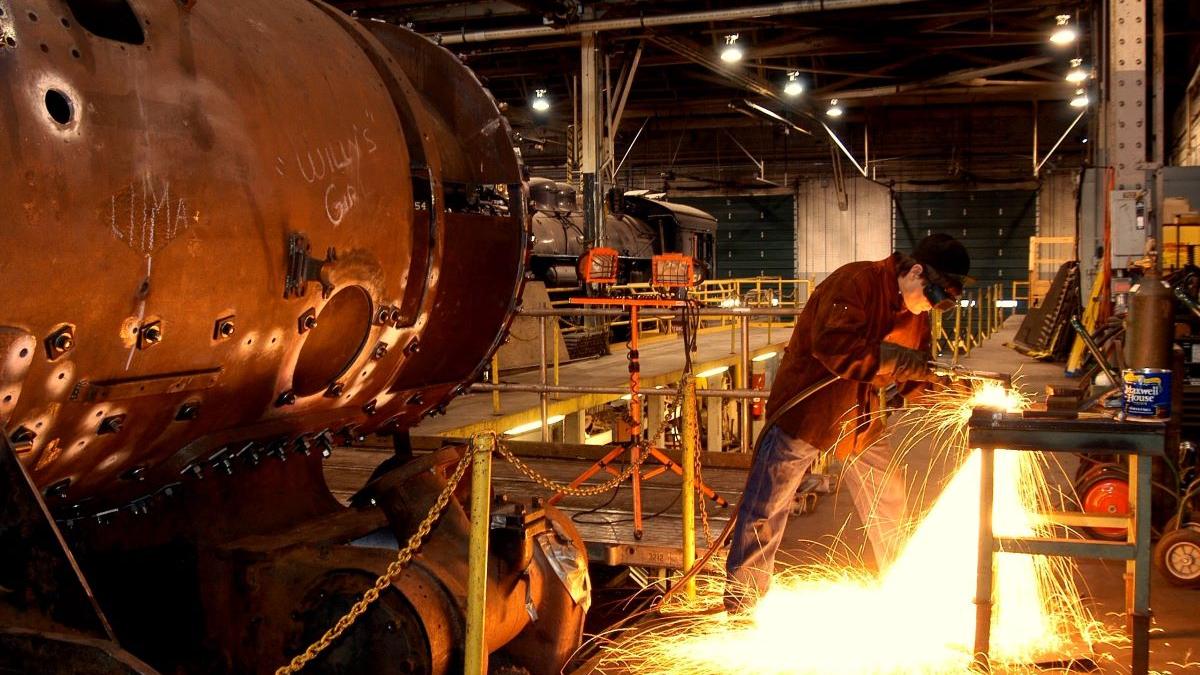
{"x": 229, "y": 220}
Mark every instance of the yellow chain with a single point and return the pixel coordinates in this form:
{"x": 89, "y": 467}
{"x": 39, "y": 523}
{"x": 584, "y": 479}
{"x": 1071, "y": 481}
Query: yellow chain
{"x": 555, "y": 486}
{"x": 393, "y": 570}
{"x": 700, "y": 480}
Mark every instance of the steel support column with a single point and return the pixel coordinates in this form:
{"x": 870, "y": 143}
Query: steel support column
{"x": 1125, "y": 116}
{"x": 591, "y": 138}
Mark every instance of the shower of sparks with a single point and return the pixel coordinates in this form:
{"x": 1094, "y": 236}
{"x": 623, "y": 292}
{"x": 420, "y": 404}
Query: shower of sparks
{"x": 916, "y": 616}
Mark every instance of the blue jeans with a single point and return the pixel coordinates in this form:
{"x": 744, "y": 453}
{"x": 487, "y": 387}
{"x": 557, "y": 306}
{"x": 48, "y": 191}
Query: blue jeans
{"x": 876, "y": 485}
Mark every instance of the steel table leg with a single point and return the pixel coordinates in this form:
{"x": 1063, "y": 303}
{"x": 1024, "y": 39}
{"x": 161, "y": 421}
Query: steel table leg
{"x": 983, "y": 588}
{"x": 1137, "y": 571}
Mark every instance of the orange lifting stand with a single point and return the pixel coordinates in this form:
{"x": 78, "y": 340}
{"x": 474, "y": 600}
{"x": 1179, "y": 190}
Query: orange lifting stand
{"x": 635, "y": 411}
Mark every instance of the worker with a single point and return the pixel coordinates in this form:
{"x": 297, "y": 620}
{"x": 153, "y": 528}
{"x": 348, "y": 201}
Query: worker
{"x": 868, "y": 325}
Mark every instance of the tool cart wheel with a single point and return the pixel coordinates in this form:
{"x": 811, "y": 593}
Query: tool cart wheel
{"x": 1104, "y": 489}
{"x": 1177, "y": 556}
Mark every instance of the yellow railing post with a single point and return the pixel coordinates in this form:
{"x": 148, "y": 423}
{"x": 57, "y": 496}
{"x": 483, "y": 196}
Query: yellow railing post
{"x": 999, "y": 311}
{"x": 557, "y": 335}
{"x": 957, "y": 332}
{"x": 991, "y": 309}
{"x": 985, "y": 309}
{"x": 733, "y": 334}
{"x": 495, "y": 378}
{"x": 691, "y": 432}
{"x": 973, "y": 323}
{"x": 482, "y": 446}
{"x": 935, "y": 330}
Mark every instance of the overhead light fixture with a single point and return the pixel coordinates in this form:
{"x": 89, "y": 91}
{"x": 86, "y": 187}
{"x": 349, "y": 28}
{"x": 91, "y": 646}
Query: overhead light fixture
{"x": 540, "y": 102}
{"x": 1077, "y": 73}
{"x": 765, "y": 356}
{"x": 1081, "y": 99}
{"x": 1064, "y": 33}
{"x": 835, "y": 110}
{"x": 1083, "y": 140}
{"x": 794, "y": 86}
{"x": 732, "y": 53}
{"x": 711, "y": 372}
{"x": 534, "y": 425}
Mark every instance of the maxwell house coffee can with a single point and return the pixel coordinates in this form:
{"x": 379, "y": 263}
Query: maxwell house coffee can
{"x": 1147, "y": 393}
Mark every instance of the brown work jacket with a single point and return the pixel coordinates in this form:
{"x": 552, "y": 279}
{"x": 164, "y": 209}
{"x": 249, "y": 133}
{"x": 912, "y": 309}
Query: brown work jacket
{"x": 839, "y": 331}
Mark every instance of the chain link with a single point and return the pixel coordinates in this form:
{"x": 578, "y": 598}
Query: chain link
{"x": 592, "y": 491}
{"x": 701, "y": 497}
{"x": 555, "y": 486}
{"x": 393, "y": 570}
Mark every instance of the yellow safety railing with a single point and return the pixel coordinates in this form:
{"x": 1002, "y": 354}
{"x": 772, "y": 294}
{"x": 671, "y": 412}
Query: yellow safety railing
{"x": 977, "y": 316}
{"x": 1018, "y": 296}
{"x": 763, "y": 291}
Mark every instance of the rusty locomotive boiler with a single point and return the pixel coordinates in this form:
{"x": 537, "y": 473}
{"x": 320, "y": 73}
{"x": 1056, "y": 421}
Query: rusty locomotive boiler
{"x": 234, "y": 234}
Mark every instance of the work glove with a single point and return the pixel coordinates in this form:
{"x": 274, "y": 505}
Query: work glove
{"x": 904, "y": 364}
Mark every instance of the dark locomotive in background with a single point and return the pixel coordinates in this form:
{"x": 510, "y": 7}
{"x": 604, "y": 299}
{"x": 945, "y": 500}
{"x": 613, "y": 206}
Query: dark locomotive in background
{"x": 637, "y": 226}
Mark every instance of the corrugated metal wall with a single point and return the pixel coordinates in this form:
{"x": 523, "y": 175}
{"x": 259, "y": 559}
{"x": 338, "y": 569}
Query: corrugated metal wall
{"x": 755, "y": 234}
{"x": 1056, "y": 204}
{"x": 1057, "y": 217}
{"x": 994, "y": 225}
{"x": 828, "y": 237}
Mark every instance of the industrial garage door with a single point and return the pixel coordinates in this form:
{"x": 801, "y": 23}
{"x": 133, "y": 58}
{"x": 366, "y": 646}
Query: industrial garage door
{"x": 756, "y": 235}
{"x": 994, "y": 225}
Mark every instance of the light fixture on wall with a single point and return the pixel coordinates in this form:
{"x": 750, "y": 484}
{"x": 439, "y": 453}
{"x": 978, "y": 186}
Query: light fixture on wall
{"x": 794, "y": 86}
{"x": 1077, "y": 73}
{"x": 1081, "y": 99}
{"x": 540, "y": 102}
{"x": 834, "y": 110}
{"x": 1064, "y": 33}
{"x": 732, "y": 53}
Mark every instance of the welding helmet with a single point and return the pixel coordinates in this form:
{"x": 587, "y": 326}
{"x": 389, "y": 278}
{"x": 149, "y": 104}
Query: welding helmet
{"x": 946, "y": 263}
{"x": 938, "y": 296}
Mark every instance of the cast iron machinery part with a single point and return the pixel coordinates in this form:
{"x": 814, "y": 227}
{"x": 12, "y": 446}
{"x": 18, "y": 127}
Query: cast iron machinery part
{"x": 389, "y": 637}
{"x": 535, "y": 620}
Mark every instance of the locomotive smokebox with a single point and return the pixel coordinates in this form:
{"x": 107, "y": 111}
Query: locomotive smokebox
{"x": 235, "y": 234}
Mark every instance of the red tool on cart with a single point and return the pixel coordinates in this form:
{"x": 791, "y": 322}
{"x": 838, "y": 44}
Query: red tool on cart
{"x": 671, "y": 272}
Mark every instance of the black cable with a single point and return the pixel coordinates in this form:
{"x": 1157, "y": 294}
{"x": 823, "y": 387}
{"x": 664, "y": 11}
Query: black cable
{"x": 588, "y": 512}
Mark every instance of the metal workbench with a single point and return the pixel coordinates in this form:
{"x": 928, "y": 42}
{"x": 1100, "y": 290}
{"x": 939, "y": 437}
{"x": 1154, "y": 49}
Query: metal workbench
{"x": 1139, "y": 442}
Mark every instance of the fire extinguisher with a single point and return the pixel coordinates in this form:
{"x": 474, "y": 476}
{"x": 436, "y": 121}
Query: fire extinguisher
{"x": 758, "y": 405}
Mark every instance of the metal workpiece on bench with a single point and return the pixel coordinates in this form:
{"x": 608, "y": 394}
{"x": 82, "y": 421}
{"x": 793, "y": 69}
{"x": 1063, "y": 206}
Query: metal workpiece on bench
{"x": 1140, "y": 442}
{"x": 990, "y": 428}
{"x": 958, "y": 372}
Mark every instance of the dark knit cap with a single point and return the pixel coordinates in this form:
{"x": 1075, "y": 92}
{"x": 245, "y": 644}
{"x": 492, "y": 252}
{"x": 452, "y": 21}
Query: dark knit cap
{"x": 946, "y": 256}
